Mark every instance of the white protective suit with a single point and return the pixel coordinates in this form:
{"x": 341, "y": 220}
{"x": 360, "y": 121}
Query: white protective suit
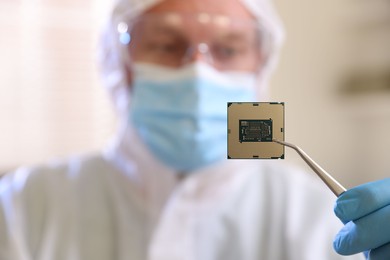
{"x": 124, "y": 204}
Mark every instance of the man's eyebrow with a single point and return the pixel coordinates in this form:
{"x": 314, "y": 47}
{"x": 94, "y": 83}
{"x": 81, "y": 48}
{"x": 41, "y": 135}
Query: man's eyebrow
{"x": 161, "y": 28}
{"x": 234, "y": 36}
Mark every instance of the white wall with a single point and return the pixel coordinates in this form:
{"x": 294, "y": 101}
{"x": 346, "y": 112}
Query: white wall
{"x": 348, "y": 136}
{"x": 51, "y": 101}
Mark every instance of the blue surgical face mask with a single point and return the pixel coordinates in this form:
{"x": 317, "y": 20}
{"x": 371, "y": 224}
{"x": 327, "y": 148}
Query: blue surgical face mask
{"x": 181, "y": 114}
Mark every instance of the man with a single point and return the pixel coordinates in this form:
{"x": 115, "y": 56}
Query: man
{"x": 164, "y": 189}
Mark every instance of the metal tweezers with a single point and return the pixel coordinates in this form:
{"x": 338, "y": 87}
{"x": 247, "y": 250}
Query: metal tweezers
{"x": 332, "y": 184}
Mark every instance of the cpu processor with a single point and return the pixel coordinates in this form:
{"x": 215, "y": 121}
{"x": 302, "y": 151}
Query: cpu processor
{"x": 251, "y": 128}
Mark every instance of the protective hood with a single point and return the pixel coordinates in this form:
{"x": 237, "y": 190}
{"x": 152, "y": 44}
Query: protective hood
{"x": 113, "y": 68}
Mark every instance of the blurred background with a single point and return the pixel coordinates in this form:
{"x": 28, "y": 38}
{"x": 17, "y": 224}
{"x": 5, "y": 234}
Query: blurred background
{"x": 333, "y": 75}
{"x": 51, "y": 102}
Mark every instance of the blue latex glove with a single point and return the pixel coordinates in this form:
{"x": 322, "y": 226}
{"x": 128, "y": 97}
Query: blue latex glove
{"x": 365, "y": 211}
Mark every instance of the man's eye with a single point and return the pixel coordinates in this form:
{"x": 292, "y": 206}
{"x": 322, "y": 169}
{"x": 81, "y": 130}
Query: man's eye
{"x": 164, "y": 48}
{"x": 226, "y": 52}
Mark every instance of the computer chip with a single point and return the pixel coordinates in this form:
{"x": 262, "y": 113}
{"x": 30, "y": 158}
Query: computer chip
{"x": 251, "y": 129}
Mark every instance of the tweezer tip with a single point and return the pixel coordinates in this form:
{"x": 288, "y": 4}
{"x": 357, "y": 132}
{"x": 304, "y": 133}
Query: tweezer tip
{"x": 276, "y": 141}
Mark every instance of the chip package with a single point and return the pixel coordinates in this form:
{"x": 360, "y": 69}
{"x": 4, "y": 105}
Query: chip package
{"x": 252, "y": 127}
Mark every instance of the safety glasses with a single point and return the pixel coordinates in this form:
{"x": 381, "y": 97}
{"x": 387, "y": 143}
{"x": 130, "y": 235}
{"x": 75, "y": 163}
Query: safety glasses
{"x": 176, "y": 39}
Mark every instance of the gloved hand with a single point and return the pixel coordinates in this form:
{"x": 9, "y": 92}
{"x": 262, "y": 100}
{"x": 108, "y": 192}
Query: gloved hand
{"x": 365, "y": 211}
